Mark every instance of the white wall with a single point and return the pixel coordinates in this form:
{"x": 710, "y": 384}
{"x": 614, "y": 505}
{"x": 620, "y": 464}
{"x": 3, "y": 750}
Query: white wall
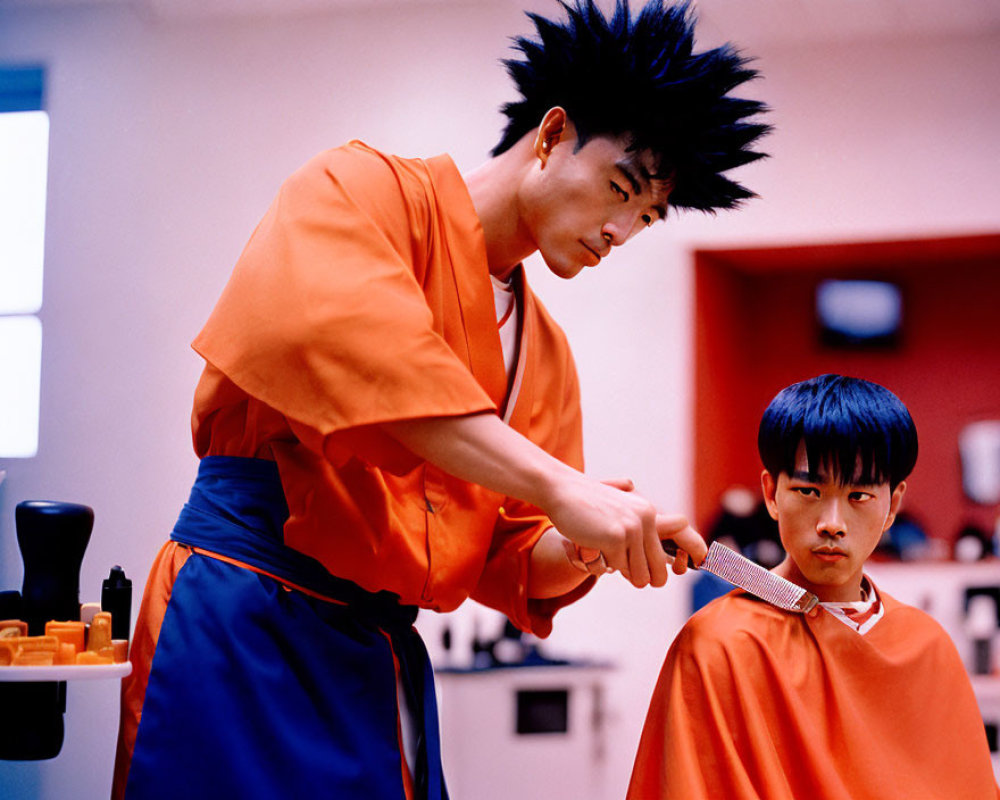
{"x": 168, "y": 141}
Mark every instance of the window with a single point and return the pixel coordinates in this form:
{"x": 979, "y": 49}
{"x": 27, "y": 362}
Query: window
{"x": 24, "y": 145}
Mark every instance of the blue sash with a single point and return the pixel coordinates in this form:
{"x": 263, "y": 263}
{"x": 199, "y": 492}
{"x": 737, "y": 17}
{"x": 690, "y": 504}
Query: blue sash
{"x": 260, "y": 691}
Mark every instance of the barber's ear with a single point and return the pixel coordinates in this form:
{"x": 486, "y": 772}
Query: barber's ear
{"x": 554, "y": 128}
{"x": 769, "y": 488}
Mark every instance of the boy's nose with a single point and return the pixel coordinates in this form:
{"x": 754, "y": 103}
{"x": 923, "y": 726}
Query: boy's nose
{"x": 831, "y": 520}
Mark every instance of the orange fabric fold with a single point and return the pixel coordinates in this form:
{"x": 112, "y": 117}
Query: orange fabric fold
{"x": 155, "y": 598}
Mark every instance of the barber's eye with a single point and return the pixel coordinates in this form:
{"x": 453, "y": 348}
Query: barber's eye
{"x": 621, "y": 192}
{"x": 648, "y": 219}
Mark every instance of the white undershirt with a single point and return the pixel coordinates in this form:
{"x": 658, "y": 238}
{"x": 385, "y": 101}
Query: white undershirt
{"x": 859, "y": 615}
{"x": 505, "y": 303}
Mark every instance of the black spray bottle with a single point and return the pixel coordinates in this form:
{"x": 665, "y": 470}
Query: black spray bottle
{"x": 116, "y": 597}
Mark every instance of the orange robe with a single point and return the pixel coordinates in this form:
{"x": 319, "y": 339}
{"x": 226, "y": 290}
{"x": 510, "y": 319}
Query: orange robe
{"x": 364, "y": 297}
{"x": 753, "y": 702}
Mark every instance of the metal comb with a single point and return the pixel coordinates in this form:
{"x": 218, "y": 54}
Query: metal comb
{"x": 741, "y": 571}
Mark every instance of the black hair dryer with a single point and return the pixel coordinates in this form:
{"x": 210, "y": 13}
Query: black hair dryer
{"x": 52, "y": 537}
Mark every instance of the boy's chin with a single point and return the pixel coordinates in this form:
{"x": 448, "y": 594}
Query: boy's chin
{"x": 834, "y": 585}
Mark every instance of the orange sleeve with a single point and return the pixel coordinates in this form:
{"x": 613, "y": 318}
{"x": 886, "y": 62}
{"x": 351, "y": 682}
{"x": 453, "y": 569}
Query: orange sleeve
{"x": 324, "y": 318}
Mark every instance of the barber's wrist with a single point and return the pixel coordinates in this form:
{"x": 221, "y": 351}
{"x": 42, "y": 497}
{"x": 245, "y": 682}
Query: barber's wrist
{"x": 587, "y": 560}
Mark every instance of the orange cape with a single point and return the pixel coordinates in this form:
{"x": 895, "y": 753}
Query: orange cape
{"x": 753, "y": 702}
{"x": 364, "y": 297}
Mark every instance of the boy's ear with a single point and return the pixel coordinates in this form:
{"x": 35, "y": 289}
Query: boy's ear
{"x": 769, "y": 487}
{"x": 894, "y": 503}
{"x": 555, "y": 126}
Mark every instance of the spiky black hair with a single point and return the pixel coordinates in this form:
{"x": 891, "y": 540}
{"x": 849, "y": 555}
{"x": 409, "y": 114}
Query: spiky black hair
{"x": 639, "y": 77}
{"x": 858, "y": 430}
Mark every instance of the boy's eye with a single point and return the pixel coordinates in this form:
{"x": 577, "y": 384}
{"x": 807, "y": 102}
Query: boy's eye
{"x": 620, "y": 191}
{"x": 806, "y": 491}
{"x": 648, "y": 219}
{"x": 860, "y": 497}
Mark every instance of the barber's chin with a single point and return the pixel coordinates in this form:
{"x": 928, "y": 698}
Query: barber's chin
{"x": 562, "y": 269}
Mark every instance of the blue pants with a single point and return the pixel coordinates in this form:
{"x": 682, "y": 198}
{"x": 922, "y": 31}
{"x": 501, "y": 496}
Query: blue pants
{"x": 261, "y": 691}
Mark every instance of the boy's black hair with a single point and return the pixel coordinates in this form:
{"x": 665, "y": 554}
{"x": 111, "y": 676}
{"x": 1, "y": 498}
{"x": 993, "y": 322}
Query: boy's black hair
{"x": 639, "y": 77}
{"x": 857, "y": 429}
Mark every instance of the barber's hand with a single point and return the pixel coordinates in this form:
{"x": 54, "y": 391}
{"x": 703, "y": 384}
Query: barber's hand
{"x": 690, "y": 543}
{"x": 692, "y": 548}
{"x": 625, "y": 527}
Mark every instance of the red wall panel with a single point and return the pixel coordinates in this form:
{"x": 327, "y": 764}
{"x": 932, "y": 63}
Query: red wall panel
{"x": 756, "y": 333}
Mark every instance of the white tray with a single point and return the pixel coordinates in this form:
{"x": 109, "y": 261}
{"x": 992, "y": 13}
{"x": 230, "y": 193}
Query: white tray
{"x": 65, "y": 672}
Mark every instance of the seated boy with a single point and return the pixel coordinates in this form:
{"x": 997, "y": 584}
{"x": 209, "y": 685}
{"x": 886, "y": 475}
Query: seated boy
{"x": 866, "y": 697}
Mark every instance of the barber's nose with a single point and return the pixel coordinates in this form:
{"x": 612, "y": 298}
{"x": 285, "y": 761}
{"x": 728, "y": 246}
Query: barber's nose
{"x": 612, "y": 236}
{"x": 831, "y": 520}
{"x": 621, "y": 228}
